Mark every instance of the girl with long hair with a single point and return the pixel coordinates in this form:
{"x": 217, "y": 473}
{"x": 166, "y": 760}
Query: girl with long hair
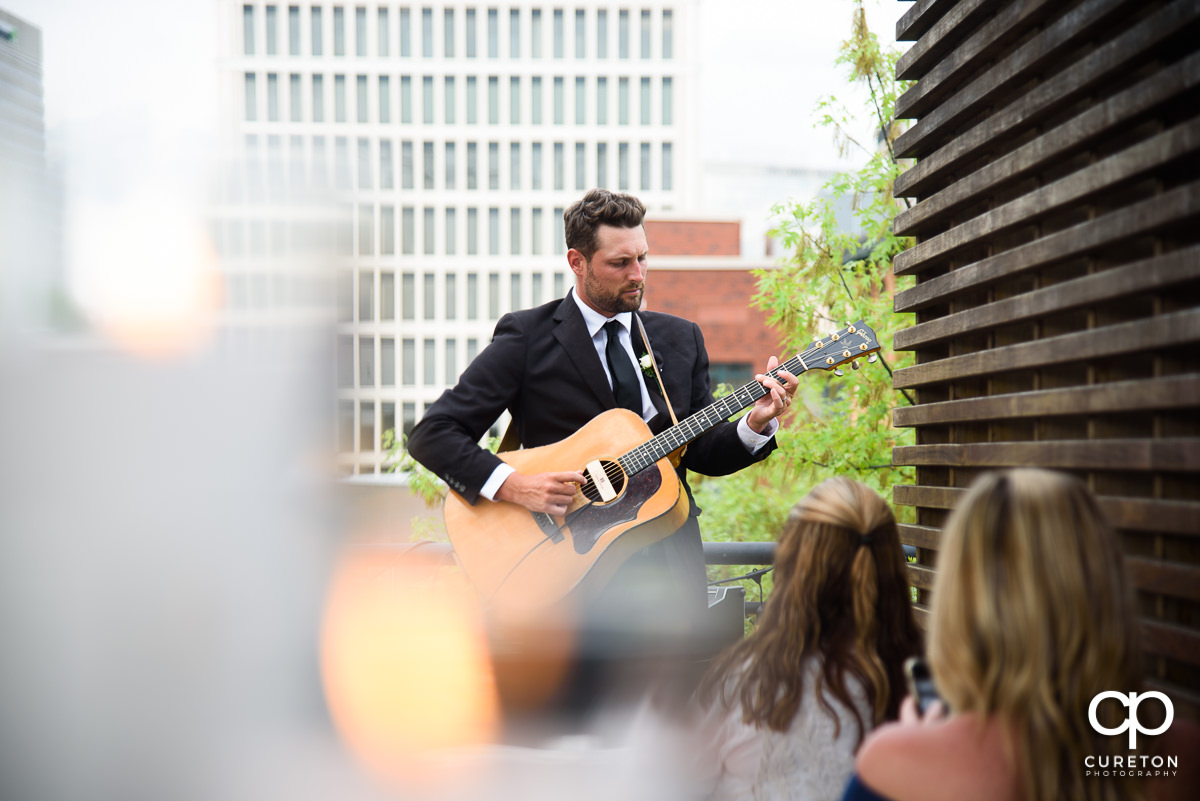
{"x": 1032, "y": 617}
{"x": 786, "y": 708}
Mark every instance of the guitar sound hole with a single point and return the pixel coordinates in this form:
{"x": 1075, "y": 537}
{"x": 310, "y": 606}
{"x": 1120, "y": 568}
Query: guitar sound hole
{"x": 616, "y": 478}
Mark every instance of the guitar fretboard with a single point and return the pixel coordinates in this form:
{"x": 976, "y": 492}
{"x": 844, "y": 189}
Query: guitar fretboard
{"x": 692, "y": 427}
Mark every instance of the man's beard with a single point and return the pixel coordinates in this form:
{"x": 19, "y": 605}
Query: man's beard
{"x": 609, "y": 301}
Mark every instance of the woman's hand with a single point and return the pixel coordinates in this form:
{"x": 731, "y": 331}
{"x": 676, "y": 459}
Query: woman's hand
{"x": 910, "y": 715}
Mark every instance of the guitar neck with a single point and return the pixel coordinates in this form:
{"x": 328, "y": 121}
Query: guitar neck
{"x": 692, "y": 427}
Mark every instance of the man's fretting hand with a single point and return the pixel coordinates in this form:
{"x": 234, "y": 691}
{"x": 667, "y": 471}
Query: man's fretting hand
{"x": 776, "y": 401}
{"x": 542, "y": 492}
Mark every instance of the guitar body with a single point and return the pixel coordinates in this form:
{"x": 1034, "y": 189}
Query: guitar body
{"x": 522, "y": 562}
{"x": 519, "y": 561}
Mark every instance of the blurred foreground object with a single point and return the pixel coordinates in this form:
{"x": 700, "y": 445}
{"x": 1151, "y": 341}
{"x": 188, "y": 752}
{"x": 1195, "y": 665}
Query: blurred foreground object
{"x": 163, "y": 529}
{"x": 404, "y": 664}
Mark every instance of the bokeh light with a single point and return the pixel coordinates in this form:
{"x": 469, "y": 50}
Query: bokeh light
{"x": 146, "y": 274}
{"x": 405, "y": 666}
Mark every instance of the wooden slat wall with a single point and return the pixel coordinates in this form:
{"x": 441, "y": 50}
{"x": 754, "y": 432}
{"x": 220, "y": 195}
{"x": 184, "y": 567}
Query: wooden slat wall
{"x": 1055, "y": 201}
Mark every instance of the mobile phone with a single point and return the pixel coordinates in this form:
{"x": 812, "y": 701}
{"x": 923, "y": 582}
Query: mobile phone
{"x": 920, "y": 683}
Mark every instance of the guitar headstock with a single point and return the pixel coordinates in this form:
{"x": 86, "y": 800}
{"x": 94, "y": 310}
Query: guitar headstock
{"x": 846, "y": 345}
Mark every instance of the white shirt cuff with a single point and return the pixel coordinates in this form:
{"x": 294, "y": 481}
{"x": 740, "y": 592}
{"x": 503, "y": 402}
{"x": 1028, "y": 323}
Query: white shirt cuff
{"x": 503, "y": 471}
{"x": 749, "y": 437}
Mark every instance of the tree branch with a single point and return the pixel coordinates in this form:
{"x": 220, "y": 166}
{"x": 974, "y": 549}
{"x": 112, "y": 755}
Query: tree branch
{"x": 852, "y": 467}
{"x": 850, "y": 138}
{"x": 892, "y": 376}
{"x": 885, "y": 126}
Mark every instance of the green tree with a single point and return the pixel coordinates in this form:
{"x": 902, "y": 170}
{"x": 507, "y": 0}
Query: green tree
{"x": 422, "y": 483}
{"x": 833, "y": 274}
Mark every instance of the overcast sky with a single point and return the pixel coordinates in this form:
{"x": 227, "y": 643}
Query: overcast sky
{"x": 764, "y": 66}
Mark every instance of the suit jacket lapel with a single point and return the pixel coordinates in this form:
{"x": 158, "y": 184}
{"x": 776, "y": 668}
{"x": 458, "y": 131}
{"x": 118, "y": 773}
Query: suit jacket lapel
{"x": 572, "y": 334}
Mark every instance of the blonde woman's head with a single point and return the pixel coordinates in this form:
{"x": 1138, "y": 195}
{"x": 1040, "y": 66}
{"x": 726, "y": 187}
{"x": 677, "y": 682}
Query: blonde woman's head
{"x": 1032, "y": 616}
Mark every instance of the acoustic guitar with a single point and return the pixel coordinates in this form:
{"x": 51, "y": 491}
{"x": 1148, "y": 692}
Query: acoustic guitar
{"x": 520, "y": 560}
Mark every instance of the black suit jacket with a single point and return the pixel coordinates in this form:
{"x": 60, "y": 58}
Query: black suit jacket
{"x": 543, "y": 368}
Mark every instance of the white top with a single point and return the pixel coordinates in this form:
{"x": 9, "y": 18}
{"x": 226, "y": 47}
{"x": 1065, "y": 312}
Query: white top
{"x": 805, "y": 763}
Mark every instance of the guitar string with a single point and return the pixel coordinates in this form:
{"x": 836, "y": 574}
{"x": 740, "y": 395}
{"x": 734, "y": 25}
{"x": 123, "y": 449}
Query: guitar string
{"x": 635, "y": 456}
{"x": 614, "y": 469}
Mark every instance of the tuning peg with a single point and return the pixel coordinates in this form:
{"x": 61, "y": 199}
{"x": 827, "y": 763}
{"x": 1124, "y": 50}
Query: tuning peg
{"x": 854, "y": 365}
{"x": 873, "y": 358}
{"x": 838, "y": 373}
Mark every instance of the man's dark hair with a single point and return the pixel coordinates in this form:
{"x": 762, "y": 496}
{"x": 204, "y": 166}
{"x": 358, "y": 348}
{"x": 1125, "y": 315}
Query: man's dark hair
{"x": 599, "y": 207}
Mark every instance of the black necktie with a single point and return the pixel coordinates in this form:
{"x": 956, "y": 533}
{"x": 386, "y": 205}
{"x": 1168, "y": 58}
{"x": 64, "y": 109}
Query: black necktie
{"x": 625, "y": 381}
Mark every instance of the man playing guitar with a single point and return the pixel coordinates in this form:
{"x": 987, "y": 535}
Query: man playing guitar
{"x": 554, "y": 370}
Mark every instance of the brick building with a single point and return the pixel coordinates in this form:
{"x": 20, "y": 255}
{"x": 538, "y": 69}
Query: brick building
{"x": 698, "y": 274}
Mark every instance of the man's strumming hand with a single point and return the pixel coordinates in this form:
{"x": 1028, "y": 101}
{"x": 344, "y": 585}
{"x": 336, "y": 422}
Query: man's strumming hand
{"x": 542, "y": 492}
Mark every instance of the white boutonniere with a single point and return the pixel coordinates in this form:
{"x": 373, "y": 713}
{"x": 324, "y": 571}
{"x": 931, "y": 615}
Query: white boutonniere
{"x": 647, "y": 366}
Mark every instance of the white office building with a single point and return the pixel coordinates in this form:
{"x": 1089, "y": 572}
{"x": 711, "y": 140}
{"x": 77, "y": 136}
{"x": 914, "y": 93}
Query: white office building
{"x": 31, "y": 261}
{"x": 432, "y": 148}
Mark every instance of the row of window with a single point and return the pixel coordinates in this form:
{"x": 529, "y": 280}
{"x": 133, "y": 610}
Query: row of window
{"x": 446, "y": 296}
{"x": 445, "y": 355}
{"x": 518, "y": 166}
{"x": 368, "y": 436}
{"x": 293, "y": 241}
{"x": 262, "y": 290}
{"x": 440, "y": 231}
{"x": 524, "y": 32}
{"x": 506, "y": 238}
{"x": 401, "y": 364}
{"x": 387, "y": 296}
{"x": 308, "y": 98}
{"x": 377, "y": 417}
